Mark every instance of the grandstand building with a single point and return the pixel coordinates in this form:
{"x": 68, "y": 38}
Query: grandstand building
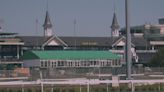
{"x": 146, "y": 40}
{"x": 66, "y": 59}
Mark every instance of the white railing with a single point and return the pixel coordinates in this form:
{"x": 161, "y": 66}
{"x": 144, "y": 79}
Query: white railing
{"x": 79, "y": 82}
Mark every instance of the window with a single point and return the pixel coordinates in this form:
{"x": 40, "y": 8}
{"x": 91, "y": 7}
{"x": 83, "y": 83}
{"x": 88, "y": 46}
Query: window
{"x": 45, "y": 63}
{"x": 42, "y": 63}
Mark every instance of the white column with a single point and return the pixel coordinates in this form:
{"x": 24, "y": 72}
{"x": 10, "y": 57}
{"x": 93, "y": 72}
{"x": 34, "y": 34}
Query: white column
{"x": 88, "y": 86}
{"x": 41, "y": 77}
{"x": 22, "y": 87}
{"x": 21, "y": 51}
{"x": 80, "y": 87}
{"x": 133, "y": 87}
{"x": 153, "y": 47}
{"x": 52, "y": 88}
{"x": 107, "y": 88}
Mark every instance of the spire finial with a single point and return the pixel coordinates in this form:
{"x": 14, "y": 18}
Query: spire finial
{"x": 47, "y": 24}
{"x": 114, "y": 6}
{"x": 47, "y": 5}
{"x": 115, "y": 26}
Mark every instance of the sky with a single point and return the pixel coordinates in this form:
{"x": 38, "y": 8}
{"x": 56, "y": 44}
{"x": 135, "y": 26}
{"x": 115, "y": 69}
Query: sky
{"x": 93, "y": 17}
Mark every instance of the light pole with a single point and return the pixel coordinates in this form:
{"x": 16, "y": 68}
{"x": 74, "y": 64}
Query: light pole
{"x": 128, "y": 41}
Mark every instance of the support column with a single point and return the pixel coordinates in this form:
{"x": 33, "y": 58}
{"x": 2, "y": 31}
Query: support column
{"x": 21, "y": 51}
{"x": 18, "y": 52}
{"x": 0, "y": 51}
{"x": 128, "y": 40}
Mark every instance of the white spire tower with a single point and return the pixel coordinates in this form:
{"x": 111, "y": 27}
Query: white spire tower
{"x": 115, "y": 26}
{"x": 47, "y": 24}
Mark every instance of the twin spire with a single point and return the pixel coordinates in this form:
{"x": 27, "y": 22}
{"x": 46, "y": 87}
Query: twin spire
{"x": 115, "y": 27}
{"x": 49, "y": 32}
{"x": 47, "y": 22}
{"x": 115, "y": 24}
{"x": 47, "y": 26}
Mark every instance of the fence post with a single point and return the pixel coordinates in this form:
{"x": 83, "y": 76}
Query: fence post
{"x": 132, "y": 87}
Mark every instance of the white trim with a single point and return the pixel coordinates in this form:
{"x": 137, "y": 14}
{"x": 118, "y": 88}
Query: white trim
{"x": 11, "y": 43}
{"x": 53, "y": 38}
{"x": 121, "y": 39}
{"x": 118, "y": 41}
{"x": 78, "y": 63}
{"x": 157, "y": 42}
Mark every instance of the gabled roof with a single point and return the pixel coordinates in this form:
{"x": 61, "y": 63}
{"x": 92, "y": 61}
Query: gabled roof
{"x": 57, "y": 39}
{"x": 135, "y": 41}
{"x": 69, "y": 55}
{"x": 40, "y": 40}
{"x": 121, "y": 39}
{"x": 80, "y": 41}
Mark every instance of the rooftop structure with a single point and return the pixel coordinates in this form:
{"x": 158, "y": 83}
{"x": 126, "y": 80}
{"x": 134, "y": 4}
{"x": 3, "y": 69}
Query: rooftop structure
{"x": 47, "y": 26}
{"x": 115, "y": 26}
{"x": 10, "y": 46}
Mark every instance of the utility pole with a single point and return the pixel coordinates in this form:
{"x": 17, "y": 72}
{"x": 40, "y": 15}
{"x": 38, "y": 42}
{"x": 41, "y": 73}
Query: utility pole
{"x": 128, "y": 41}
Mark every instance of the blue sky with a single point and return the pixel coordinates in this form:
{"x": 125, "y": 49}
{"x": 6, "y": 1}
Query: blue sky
{"x": 93, "y": 17}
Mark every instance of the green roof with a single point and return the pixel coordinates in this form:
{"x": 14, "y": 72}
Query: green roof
{"x": 68, "y": 55}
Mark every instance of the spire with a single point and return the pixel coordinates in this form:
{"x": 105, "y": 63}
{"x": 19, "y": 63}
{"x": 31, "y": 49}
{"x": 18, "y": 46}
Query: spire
{"x": 47, "y": 22}
{"x": 115, "y": 24}
{"x": 47, "y": 26}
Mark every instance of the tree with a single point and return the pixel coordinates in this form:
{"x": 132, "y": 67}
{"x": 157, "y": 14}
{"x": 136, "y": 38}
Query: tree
{"x": 158, "y": 59}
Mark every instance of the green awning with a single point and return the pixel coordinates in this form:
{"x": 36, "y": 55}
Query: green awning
{"x": 69, "y": 55}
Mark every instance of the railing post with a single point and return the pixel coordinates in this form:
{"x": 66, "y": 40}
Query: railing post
{"x": 132, "y": 87}
{"x": 80, "y": 87}
{"x": 88, "y": 85}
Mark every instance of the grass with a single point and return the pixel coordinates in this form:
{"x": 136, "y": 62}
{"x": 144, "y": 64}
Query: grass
{"x": 93, "y": 88}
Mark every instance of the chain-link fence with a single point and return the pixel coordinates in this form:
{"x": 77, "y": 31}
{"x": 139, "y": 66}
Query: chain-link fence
{"x": 94, "y": 72}
{"x": 98, "y": 72}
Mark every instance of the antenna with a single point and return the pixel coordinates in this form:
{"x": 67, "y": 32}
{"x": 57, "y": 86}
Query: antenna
{"x": 74, "y": 30}
{"x": 114, "y": 6}
{"x": 47, "y": 5}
